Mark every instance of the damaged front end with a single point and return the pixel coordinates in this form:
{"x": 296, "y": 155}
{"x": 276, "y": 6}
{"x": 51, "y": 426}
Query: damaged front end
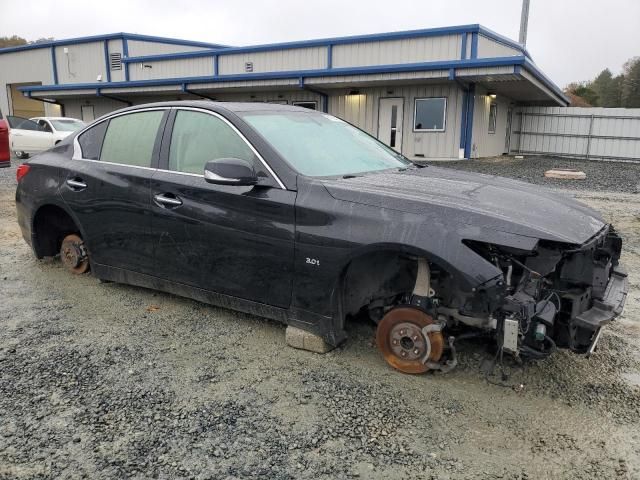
{"x": 554, "y": 296}
{"x": 544, "y": 295}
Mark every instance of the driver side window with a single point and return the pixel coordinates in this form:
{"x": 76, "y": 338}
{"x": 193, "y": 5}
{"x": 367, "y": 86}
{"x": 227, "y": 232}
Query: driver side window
{"x": 45, "y": 126}
{"x": 199, "y": 137}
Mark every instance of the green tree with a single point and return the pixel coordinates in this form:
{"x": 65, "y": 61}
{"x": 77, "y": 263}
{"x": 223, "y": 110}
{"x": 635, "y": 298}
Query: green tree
{"x": 583, "y": 91}
{"x": 607, "y": 88}
{"x": 42, "y": 40}
{"x": 617, "y": 88}
{"x": 13, "y": 41}
{"x": 631, "y": 83}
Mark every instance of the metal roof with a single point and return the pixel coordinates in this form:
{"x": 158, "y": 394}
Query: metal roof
{"x": 521, "y": 63}
{"x": 111, "y": 36}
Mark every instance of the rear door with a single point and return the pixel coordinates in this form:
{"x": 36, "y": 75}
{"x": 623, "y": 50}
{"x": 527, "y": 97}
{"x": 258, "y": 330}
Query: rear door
{"x": 235, "y": 240}
{"x": 107, "y": 187}
{"x": 28, "y": 136}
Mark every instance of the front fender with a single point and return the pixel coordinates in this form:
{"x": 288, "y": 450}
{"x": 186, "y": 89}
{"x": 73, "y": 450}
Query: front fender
{"x": 330, "y": 233}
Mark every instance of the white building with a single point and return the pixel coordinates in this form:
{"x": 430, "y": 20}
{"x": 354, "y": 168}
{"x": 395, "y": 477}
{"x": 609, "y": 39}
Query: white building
{"x": 436, "y": 93}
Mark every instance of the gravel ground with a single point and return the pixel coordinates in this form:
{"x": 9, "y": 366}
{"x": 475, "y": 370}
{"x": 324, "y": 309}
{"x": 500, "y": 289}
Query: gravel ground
{"x": 111, "y": 381}
{"x": 608, "y": 177}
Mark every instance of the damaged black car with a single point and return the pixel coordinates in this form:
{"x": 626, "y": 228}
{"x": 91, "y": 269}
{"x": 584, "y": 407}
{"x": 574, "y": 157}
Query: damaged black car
{"x": 298, "y": 216}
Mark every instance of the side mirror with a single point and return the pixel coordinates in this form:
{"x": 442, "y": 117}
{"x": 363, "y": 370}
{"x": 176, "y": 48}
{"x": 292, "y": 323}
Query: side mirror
{"x": 230, "y": 171}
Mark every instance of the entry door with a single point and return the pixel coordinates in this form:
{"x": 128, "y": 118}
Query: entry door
{"x": 507, "y": 140}
{"x": 390, "y": 115}
{"x": 234, "y": 240}
{"x": 87, "y": 114}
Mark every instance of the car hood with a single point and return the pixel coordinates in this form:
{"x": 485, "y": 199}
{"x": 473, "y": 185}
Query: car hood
{"x": 458, "y": 197}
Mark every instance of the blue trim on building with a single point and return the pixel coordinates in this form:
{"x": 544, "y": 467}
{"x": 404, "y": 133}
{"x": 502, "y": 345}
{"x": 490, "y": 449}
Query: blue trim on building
{"x": 125, "y": 55}
{"x": 172, "y": 56}
{"x": 112, "y": 36}
{"x": 463, "y": 48}
{"x": 474, "y": 45}
{"x": 54, "y": 65}
{"x": 325, "y": 102}
{"x": 428, "y": 32}
{"x": 172, "y": 41}
{"x": 295, "y": 74}
{"x": 330, "y": 56}
{"x": 463, "y": 120}
{"x": 516, "y": 61}
{"x": 107, "y": 64}
{"x": 215, "y": 65}
{"x": 324, "y": 42}
{"x": 468, "y": 135}
{"x": 452, "y": 74}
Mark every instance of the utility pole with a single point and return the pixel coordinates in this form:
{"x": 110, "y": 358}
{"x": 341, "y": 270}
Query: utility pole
{"x": 524, "y": 22}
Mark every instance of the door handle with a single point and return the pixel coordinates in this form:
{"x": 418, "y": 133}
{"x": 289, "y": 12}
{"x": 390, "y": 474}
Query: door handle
{"x": 167, "y": 200}
{"x": 76, "y": 184}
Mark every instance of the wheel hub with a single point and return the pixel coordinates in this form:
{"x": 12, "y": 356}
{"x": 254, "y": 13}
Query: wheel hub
{"x": 71, "y": 255}
{"x": 74, "y": 254}
{"x": 409, "y": 339}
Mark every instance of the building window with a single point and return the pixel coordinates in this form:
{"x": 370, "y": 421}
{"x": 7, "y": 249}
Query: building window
{"x": 493, "y": 116}
{"x": 430, "y": 115}
{"x": 309, "y": 105}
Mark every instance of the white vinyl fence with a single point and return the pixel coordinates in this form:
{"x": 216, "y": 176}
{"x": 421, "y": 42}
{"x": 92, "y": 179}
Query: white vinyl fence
{"x": 593, "y": 133}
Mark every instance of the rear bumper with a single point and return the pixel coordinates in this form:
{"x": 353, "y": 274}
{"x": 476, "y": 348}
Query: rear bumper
{"x": 611, "y": 305}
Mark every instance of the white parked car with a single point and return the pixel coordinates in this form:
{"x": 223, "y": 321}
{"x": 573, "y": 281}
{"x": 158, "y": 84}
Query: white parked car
{"x": 29, "y": 136}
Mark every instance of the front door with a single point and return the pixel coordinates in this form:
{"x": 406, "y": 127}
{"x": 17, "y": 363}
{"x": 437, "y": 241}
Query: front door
{"x": 27, "y": 136}
{"x": 234, "y": 240}
{"x": 390, "y": 115}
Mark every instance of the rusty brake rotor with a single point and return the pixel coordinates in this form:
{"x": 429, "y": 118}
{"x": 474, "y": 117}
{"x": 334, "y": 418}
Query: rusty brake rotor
{"x": 401, "y": 339}
{"x": 74, "y": 255}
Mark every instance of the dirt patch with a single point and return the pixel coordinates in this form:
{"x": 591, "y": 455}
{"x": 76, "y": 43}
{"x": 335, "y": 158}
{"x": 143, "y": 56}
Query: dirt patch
{"x": 111, "y": 381}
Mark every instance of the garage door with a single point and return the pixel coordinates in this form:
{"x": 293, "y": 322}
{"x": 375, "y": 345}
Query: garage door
{"x": 22, "y": 106}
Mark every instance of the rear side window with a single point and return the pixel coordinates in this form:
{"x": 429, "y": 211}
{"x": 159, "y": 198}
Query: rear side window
{"x": 200, "y": 137}
{"x": 130, "y": 138}
{"x": 91, "y": 141}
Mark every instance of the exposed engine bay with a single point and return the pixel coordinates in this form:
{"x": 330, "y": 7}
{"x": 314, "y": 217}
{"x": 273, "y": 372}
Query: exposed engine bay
{"x": 554, "y": 296}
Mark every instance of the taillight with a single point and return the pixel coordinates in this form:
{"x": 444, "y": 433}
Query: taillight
{"x": 22, "y": 171}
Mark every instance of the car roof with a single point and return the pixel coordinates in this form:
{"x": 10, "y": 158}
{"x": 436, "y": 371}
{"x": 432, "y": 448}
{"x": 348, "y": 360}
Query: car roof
{"x": 229, "y": 106}
{"x": 54, "y": 118}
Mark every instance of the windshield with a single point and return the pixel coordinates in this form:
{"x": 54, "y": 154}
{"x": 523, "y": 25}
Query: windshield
{"x": 320, "y": 145}
{"x": 70, "y": 125}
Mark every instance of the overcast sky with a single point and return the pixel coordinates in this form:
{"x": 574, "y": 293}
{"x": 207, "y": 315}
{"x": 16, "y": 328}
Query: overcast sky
{"x": 569, "y": 39}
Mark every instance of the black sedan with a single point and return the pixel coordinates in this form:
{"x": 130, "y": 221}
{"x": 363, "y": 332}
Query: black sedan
{"x": 298, "y": 216}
